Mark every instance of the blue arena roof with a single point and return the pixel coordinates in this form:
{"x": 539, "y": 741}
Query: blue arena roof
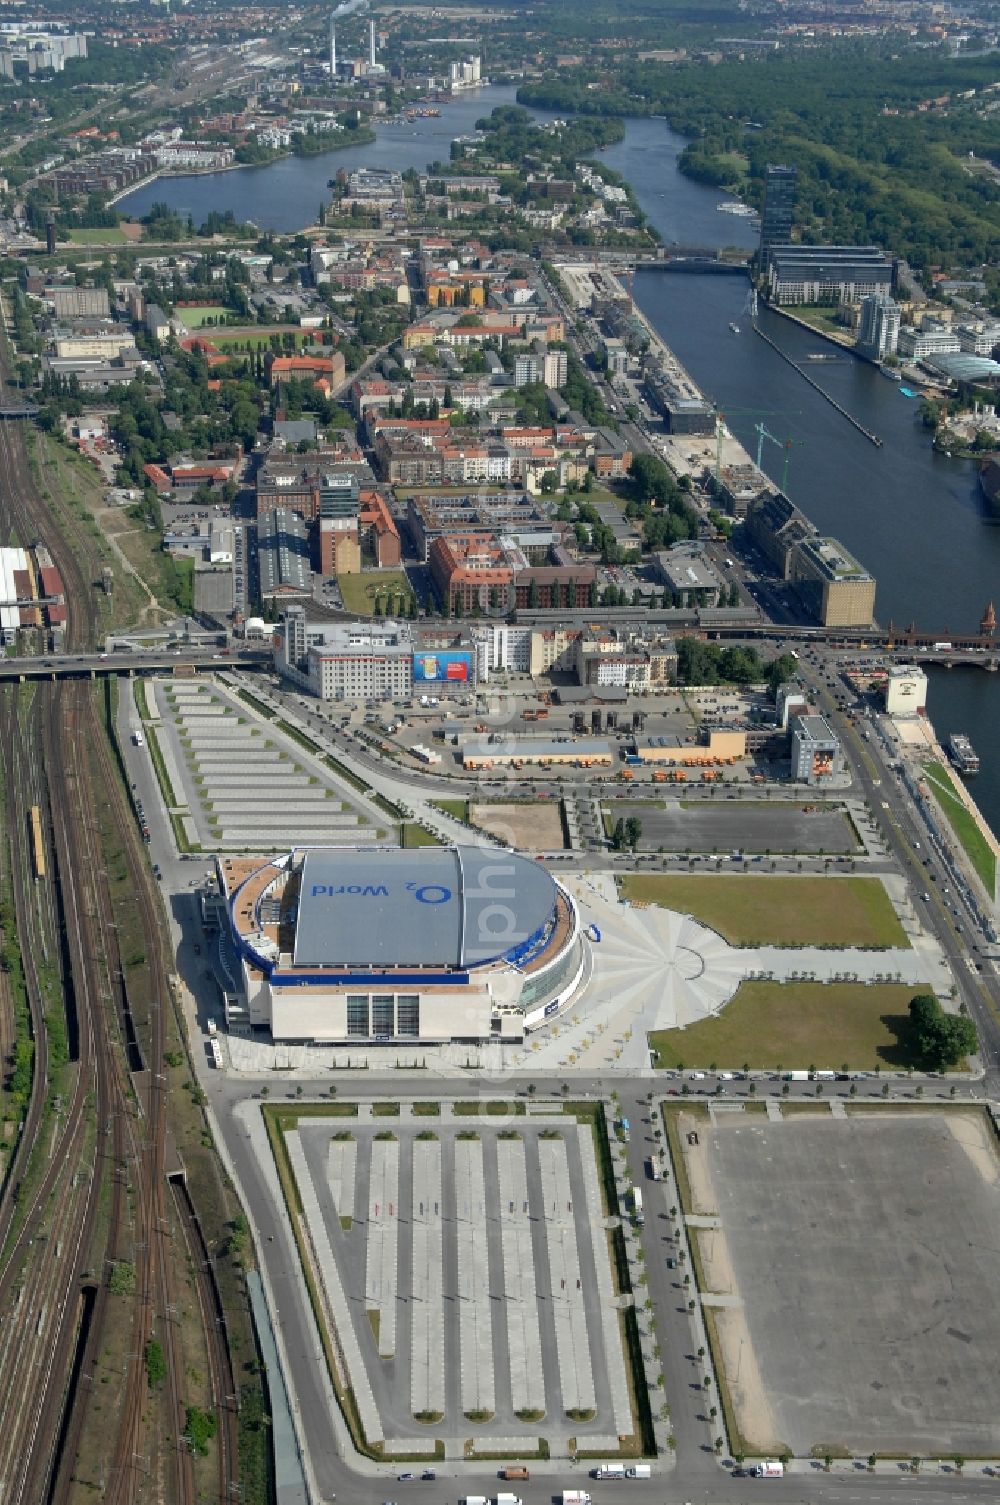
{"x": 438, "y": 907}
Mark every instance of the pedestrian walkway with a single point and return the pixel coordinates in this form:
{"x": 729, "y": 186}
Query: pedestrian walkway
{"x": 383, "y": 1227}
{"x": 337, "y": 1314}
{"x": 342, "y": 1164}
{"x": 614, "y": 1358}
{"x": 576, "y": 1375}
{"x": 524, "y": 1344}
{"x": 478, "y": 1387}
{"x": 427, "y": 1373}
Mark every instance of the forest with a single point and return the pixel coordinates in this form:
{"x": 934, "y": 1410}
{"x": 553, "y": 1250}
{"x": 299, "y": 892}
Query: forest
{"x": 877, "y": 162}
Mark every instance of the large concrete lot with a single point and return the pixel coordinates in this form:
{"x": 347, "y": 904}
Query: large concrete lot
{"x": 472, "y": 1265}
{"x": 730, "y": 825}
{"x": 866, "y": 1255}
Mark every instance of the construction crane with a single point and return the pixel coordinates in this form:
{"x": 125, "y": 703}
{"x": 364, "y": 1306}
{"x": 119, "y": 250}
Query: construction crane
{"x": 786, "y": 444}
{"x": 720, "y": 423}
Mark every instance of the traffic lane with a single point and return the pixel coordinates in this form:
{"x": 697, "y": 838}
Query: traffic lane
{"x": 662, "y": 1239}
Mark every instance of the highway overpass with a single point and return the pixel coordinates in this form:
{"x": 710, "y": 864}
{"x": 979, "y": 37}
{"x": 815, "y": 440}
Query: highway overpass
{"x": 97, "y": 665}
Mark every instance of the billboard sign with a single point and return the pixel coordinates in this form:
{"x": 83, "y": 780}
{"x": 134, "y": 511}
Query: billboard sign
{"x": 451, "y": 667}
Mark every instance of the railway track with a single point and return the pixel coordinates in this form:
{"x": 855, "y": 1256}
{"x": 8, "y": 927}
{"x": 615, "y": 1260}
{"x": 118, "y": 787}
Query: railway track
{"x": 41, "y": 1289}
{"x": 61, "y": 760}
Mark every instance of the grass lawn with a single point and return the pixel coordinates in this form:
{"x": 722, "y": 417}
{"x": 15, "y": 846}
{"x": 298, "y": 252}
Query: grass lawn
{"x": 735, "y": 163}
{"x": 458, "y": 808}
{"x": 195, "y": 317}
{"x": 111, "y": 236}
{"x": 415, "y": 836}
{"x": 748, "y": 910}
{"x": 822, "y": 318}
{"x": 360, "y": 591}
{"x": 798, "y": 1025}
{"x": 976, "y": 846}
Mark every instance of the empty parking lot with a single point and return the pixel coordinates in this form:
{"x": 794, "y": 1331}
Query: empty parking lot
{"x": 864, "y": 1254}
{"x": 744, "y": 825}
{"x": 471, "y": 1266}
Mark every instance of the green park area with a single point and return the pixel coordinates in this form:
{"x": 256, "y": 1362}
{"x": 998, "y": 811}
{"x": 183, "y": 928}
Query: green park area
{"x": 794, "y": 1026}
{"x": 777, "y": 911}
{"x": 374, "y": 589}
{"x": 977, "y": 848}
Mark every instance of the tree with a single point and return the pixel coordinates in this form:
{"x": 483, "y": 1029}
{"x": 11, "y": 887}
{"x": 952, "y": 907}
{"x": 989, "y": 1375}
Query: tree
{"x": 939, "y": 1039}
{"x": 633, "y": 831}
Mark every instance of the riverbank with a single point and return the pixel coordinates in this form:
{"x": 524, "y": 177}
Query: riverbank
{"x": 167, "y": 174}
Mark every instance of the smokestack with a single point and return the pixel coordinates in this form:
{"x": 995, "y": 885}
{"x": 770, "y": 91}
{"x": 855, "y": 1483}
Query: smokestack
{"x": 50, "y": 235}
{"x": 371, "y": 43}
{"x": 333, "y": 48}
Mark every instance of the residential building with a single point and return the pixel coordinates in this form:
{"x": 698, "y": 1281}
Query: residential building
{"x": 878, "y": 326}
{"x": 979, "y": 337}
{"x": 930, "y": 339}
{"x": 471, "y": 573}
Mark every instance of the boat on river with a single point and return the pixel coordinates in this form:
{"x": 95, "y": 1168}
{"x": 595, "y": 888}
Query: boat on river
{"x": 735, "y": 328}
{"x": 962, "y": 753}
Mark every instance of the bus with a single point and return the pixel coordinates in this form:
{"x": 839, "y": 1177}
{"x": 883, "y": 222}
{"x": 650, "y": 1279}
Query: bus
{"x": 38, "y": 845}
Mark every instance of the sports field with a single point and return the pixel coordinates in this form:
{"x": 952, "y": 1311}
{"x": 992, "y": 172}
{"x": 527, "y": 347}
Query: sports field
{"x": 198, "y": 315}
{"x": 755, "y": 910}
{"x": 794, "y": 1026}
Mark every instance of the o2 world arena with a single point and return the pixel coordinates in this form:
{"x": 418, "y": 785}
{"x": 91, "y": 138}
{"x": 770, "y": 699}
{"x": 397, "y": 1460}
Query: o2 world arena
{"x": 355, "y": 946}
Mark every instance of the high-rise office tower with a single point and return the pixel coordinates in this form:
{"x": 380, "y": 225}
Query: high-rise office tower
{"x": 333, "y": 48}
{"x": 779, "y": 209}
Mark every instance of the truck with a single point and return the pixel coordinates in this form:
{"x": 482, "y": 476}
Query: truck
{"x": 137, "y": 738}
{"x": 796, "y": 1076}
{"x": 639, "y": 1471}
{"x": 769, "y": 1470}
{"x": 609, "y": 1471}
{"x": 655, "y": 1174}
{"x": 507, "y": 1500}
{"x": 637, "y": 1212}
{"x": 626, "y": 1132}
{"x": 474, "y": 1500}
{"x": 575, "y": 1497}
{"x": 514, "y": 1471}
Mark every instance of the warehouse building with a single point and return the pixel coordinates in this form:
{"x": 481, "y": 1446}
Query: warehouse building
{"x": 367, "y": 946}
{"x": 501, "y": 751}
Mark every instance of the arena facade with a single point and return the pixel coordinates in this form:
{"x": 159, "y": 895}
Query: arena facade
{"x": 349, "y": 945}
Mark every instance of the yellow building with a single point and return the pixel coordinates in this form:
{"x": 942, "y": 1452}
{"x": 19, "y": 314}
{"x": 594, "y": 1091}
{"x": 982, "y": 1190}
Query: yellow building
{"x": 719, "y": 747}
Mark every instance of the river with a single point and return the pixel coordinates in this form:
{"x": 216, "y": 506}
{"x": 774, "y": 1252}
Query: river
{"x": 914, "y": 518}
{"x": 286, "y": 195}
